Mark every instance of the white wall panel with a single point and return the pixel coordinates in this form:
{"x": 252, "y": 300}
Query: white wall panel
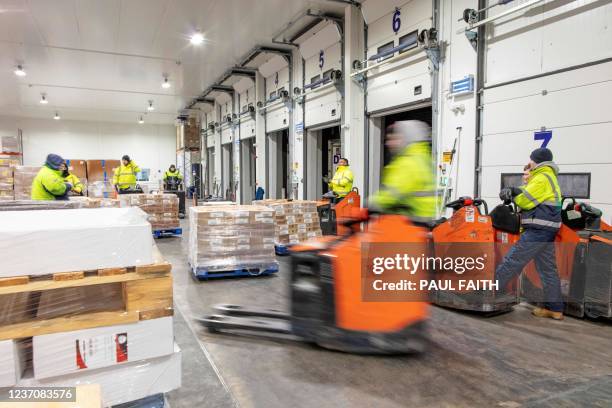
{"x": 277, "y": 117}
{"x": 226, "y": 134}
{"x": 247, "y": 124}
{"x": 394, "y": 84}
{"x": 574, "y": 106}
{"x": 323, "y": 106}
{"x": 547, "y": 37}
{"x": 151, "y": 146}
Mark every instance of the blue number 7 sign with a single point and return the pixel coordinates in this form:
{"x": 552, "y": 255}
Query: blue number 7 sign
{"x": 543, "y": 136}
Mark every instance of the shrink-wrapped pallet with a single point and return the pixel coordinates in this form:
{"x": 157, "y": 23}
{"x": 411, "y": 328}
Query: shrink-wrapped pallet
{"x": 23, "y": 177}
{"x": 294, "y": 221}
{"x": 162, "y": 209}
{"x": 6, "y": 183}
{"x": 231, "y": 237}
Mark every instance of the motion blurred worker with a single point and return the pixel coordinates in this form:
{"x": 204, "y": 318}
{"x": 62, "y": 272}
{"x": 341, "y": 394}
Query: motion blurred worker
{"x": 125, "y": 175}
{"x": 540, "y": 204}
{"x": 342, "y": 182}
{"x": 77, "y": 186}
{"x": 172, "y": 177}
{"x": 49, "y": 183}
{"x": 408, "y": 182}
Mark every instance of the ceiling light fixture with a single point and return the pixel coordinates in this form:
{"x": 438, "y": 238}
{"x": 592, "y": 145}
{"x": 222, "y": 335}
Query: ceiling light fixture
{"x": 19, "y": 71}
{"x": 57, "y": 116}
{"x": 150, "y": 107}
{"x": 43, "y": 99}
{"x": 140, "y": 120}
{"x": 166, "y": 84}
{"x": 197, "y": 38}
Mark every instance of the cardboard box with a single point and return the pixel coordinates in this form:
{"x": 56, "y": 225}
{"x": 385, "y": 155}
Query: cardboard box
{"x": 162, "y": 209}
{"x": 80, "y": 300}
{"x": 229, "y": 237}
{"x": 78, "y": 168}
{"x": 23, "y": 177}
{"x": 10, "y": 363}
{"x": 80, "y": 240}
{"x": 9, "y": 144}
{"x": 101, "y": 170}
{"x": 126, "y": 382}
{"x": 81, "y": 350}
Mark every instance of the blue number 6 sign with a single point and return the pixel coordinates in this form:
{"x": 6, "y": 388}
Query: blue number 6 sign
{"x": 396, "y": 23}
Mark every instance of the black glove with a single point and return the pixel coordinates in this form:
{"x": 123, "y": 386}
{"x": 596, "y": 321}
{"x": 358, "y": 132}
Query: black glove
{"x": 68, "y": 187}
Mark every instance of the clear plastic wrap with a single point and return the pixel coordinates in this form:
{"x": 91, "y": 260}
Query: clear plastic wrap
{"x": 23, "y": 177}
{"x": 100, "y": 189}
{"x": 73, "y": 240}
{"x": 30, "y": 205}
{"x": 294, "y": 221}
{"x": 230, "y": 237}
{"x": 162, "y": 209}
{"x": 94, "y": 325}
{"x": 6, "y": 183}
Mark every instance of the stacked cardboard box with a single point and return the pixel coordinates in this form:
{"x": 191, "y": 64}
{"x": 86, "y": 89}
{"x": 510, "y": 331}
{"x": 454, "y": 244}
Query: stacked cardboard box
{"x": 9, "y": 144}
{"x": 162, "y": 209}
{"x": 119, "y": 335}
{"x": 79, "y": 169}
{"x": 188, "y": 135}
{"x": 6, "y": 183}
{"x": 100, "y": 177}
{"x": 230, "y": 237}
{"x": 23, "y": 177}
{"x": 294, "y": 221}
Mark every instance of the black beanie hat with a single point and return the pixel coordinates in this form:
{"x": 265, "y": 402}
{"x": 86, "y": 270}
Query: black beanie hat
{"x": 541, "y": 155}
{"x": 126, "y": 157}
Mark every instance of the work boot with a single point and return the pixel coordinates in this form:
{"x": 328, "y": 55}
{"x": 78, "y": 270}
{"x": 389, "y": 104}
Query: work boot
{"x": 542, "y": 312}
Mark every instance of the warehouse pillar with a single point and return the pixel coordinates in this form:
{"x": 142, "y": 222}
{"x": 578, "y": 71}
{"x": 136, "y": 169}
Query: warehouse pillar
{"x": 298, "y": 164}
{"x": 353, "y": 129}
{"x": 260, "y": 135}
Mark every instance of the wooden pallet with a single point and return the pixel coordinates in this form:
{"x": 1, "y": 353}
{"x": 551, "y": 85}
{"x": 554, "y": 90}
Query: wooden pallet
{"x": 146, "y": 289}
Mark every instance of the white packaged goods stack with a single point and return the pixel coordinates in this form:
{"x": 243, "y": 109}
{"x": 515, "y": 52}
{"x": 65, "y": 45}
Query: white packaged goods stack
{"x": 231, "y": 237}
{"x": 23, "y": 177}
{"x": 6, "y": 183}
{"x": 162, "y": 209}
{"x": 95, "y": 232}
{"x": 29, "y": 205}
{"x": 9, "y": 144}
{"x": 294, "y": 221}
{"x": 99, "y": 311}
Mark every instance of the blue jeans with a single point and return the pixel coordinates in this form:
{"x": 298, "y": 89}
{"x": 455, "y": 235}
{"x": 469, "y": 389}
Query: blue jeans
{"x": 538, "y": 245}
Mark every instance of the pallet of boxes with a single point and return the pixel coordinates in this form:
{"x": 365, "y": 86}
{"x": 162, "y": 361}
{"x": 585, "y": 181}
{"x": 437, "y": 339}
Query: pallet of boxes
{"x": 162, "y": 210}
{"x": 100, "y": 177}
{"x": 86, "y": 298}
{"x": 295, "y": 221}
{"x": 231, "y": 241}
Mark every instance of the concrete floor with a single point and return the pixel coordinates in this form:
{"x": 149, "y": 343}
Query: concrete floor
{"x": 512, "y": 360}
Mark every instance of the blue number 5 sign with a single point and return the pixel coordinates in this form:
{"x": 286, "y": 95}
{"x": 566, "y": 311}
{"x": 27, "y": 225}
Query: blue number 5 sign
{"x": 544, "y": 136}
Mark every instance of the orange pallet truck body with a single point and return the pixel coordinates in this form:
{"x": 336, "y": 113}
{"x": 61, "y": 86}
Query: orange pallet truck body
{"x": 469, "y": 232}
{"x": 327, "y": 296}
{"x": 583, "y": 248}
{"x": 332, "y": 215}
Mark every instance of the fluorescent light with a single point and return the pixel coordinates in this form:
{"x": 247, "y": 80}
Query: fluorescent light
{"x": 150, "y": 107}
{"x": 140, "y": 120}
{"x": 197, "y": 38}
{"x": 166, "y": 84}
{"x": 19, "y": 71}
{"x": 57, "y": 116}
{"x": 43, "y": 99}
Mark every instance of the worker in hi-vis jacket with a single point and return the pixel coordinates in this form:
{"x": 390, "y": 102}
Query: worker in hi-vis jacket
{"x": 540, "y": 204}
{"x": 408, "y": 181}
{"x": 342, "y": 182}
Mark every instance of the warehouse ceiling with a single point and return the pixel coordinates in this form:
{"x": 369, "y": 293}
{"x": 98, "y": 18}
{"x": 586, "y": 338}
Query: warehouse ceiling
{"x": 104, "y": 60}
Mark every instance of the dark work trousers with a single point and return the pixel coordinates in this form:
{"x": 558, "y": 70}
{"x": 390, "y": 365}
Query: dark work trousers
{"x": 538, "y": 245}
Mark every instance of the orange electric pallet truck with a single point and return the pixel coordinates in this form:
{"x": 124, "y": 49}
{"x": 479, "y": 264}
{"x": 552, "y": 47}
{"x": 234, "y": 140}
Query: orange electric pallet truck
{"x": 327, "y": 307}
{"x": 333, "y": 213}
{"x": 584, "y": 261}
{"x": 469, "y": 232}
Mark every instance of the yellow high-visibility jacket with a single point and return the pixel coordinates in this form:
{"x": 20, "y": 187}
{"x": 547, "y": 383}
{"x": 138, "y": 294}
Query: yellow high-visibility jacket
{"x": 342, "y": 182}
{"x": 77, "y": 186}
{"x": 540, "y": 199}
{"x": 409, "y": 184}
{"x": 125, "y": 176}
{"x": 169, "y": 174}
{"x": 48, "y": 184}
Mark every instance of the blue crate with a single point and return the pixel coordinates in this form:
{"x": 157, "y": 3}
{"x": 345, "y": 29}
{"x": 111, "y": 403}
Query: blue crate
{"x": 202, "y": 273}
{"x": 282, "y": 250}
{"x": 167, "y": 232}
